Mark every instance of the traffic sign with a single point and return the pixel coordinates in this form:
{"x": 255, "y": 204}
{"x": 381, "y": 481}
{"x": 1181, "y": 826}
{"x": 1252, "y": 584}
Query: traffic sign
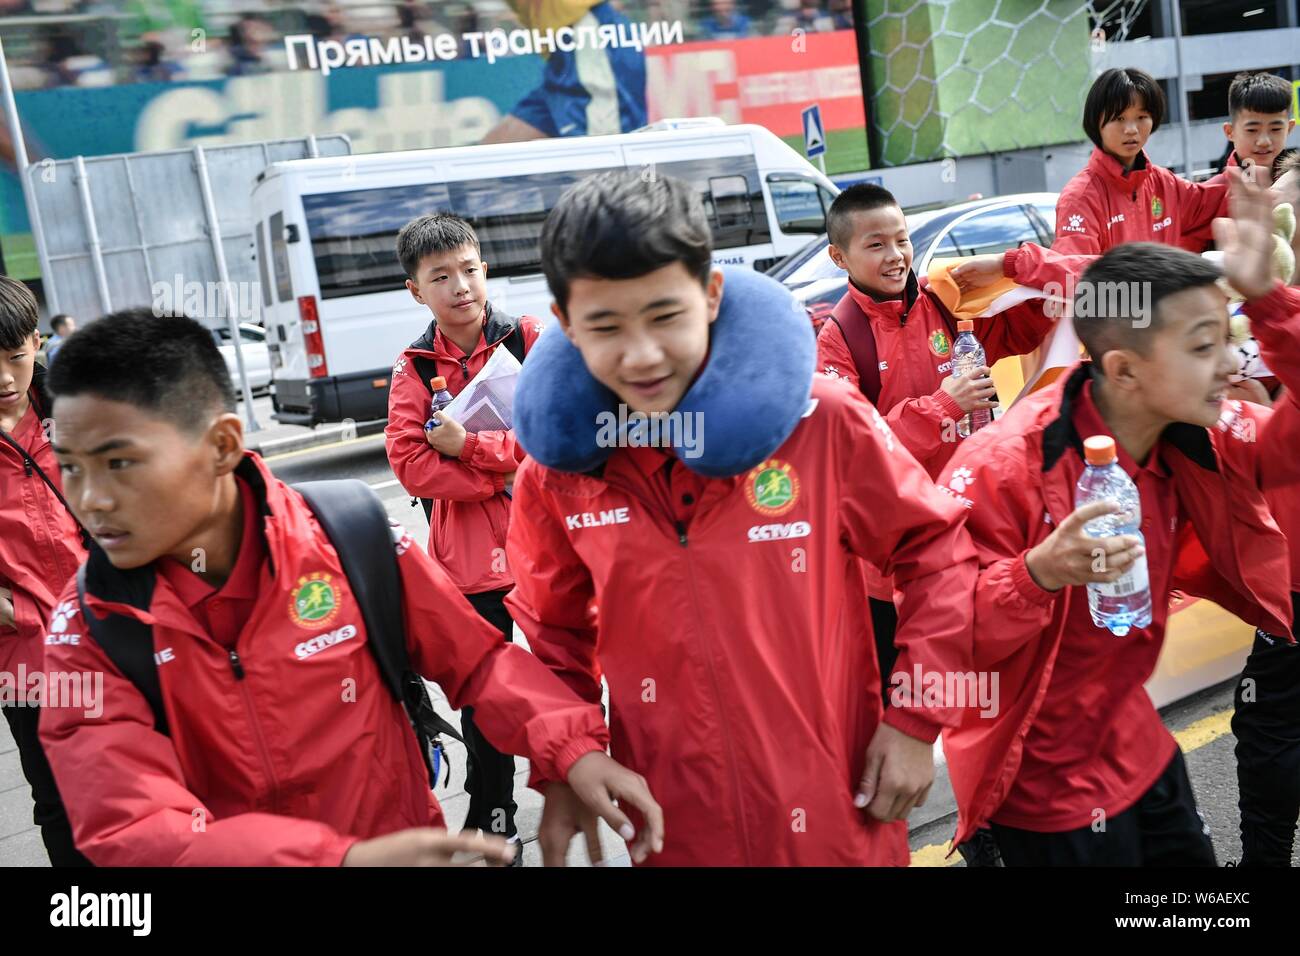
{"x": 814, "y": 135}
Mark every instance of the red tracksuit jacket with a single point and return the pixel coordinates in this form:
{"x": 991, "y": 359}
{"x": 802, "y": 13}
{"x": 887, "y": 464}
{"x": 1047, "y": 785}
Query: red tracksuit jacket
{"x": 1017, "y": 478}
{"x": 40, "y": 546}
{"x": 913, "y": 343}
{"x": 1102, "y": 207}
{"x": 1275, "y": 323}
{"x": 467, "y": 533}
{"x": 282, "y": 765}
{"x": 730, "y": 623}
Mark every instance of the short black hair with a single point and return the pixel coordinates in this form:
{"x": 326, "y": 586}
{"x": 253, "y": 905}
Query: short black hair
{"x": 620, "y": 225}
{"x": 59, "y": 321}
{"x": 1111, "y": 94}
{"x": 860, "y": 197}
{"x": 18, "y": 316}
{"x": 438, "y": 232}
{"x": 1123, "y": 289}
{"x": 1259, "y": 93}
{"x": 166, "y": 365}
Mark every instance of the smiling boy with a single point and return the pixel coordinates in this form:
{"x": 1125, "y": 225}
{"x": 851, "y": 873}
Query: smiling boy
{"x": 1078, "y": 768}
{"x": 764, "y": 736}
{"x": 1259, "y": 121}
{"x": 892, "y": 339}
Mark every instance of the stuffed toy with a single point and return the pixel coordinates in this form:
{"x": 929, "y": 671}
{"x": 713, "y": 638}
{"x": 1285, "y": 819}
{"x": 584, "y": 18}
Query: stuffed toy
{"x": 751, "y": 393}
{"x": 1243, "y": 344}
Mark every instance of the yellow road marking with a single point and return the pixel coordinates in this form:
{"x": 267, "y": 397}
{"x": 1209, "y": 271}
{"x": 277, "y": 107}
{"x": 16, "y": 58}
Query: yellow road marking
{"x": 1192, "y": 737}
{"x": 314, "y": 448}
{"x": 1204, "y": 731}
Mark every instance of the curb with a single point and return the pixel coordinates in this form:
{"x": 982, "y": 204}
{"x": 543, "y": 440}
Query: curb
{"x": 327, "y": 435}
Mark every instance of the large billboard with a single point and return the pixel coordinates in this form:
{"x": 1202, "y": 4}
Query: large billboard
{"x": 540, "y": 68}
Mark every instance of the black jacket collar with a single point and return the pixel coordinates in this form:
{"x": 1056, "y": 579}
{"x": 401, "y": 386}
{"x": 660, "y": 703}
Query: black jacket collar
{"x": 497, "y": 327}
{"x": 1060, "y": 434}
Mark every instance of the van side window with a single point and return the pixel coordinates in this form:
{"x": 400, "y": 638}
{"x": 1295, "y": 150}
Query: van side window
{"x": 259, "y": 229}
{"x": 799, "y": 203}
{"x": 508, "y": 215}
{"x": 354, "y": 235}
{"x": 280, "y": 259}
{"x": 732, "y": 194}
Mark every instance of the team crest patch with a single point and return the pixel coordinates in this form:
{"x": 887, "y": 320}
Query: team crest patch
{"x": 314, "y": 603}
{"x": 1157, "y": 207}
{"x": 772, "y": 487}
{"x": 939, "y": 343}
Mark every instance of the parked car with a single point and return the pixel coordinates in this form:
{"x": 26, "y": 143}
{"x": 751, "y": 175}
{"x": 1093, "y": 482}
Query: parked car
{"x": 257, "y": 360}
{"x": 965, "y": 229}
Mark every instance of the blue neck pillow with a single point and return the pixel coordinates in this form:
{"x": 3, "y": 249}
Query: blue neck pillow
{"x": 752, "y": 391}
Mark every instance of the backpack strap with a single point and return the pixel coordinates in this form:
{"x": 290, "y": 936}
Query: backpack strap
{"x": 861, "y": 341}
{"x": 354, "y": 520}
{"x": 949, "y": 320}
{"x": 129, "y": 645}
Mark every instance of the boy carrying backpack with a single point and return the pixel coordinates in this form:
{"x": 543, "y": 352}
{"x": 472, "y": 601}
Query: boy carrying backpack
{"x": 277, "y": 738}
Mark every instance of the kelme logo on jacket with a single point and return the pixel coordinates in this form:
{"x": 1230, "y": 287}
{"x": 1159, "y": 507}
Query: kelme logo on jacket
{"x": 939, "y": 342}
{"x": 315, "y": 601}
{"x": 772, "y": 487}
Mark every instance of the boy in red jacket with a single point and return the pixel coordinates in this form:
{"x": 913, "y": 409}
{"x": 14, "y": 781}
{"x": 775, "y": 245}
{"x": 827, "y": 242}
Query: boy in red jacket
{"x": 284, "y": 746}
{"x": 1077, "y": 768}
{"x": 463, "y": 478}
{"x": 40, "y": 548}
{"x": 743, "y": 684}
{"x": 1121, "y": 196}
{"x": 1259, "y": 122}
{"x": 900, "y": 327}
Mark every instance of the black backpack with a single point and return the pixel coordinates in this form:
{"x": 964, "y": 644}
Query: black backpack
{"x": 355, "y": 522}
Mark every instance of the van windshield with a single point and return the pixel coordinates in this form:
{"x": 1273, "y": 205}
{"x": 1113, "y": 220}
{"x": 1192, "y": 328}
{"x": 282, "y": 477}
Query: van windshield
{"x": 354, "y": 234}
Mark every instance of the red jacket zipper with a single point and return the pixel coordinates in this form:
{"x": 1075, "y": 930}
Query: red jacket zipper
{"x": 237, "y": 667}
{"x": 727, "y": 742}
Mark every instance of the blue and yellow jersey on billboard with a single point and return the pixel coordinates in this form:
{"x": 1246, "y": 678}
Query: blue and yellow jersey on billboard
{"x": 551, "y": 14}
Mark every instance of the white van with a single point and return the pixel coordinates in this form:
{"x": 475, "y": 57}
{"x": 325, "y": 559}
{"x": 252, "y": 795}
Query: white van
{"x": 334, "y": 305}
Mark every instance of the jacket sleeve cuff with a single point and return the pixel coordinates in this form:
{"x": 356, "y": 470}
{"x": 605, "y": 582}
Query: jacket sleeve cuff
{"x": 913, "y": 724}
{"x": 1010, "y": 259}
{"x": 563, "y": 761}
{"x": 471, "y": 442}
{"x": 1281, "y": 303}
{"x": 1025, "y": 584}
{"x": 337, "y": 849}
{"x": 498, "y": 482}
{"x": 570, "y": 753}
{"x": 949, "y": 406}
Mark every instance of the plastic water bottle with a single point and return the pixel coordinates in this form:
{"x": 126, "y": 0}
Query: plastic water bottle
{"x": 441, "y": 399}
{"x": 1126, "y": 602}
{"x": 967, "y": 356}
